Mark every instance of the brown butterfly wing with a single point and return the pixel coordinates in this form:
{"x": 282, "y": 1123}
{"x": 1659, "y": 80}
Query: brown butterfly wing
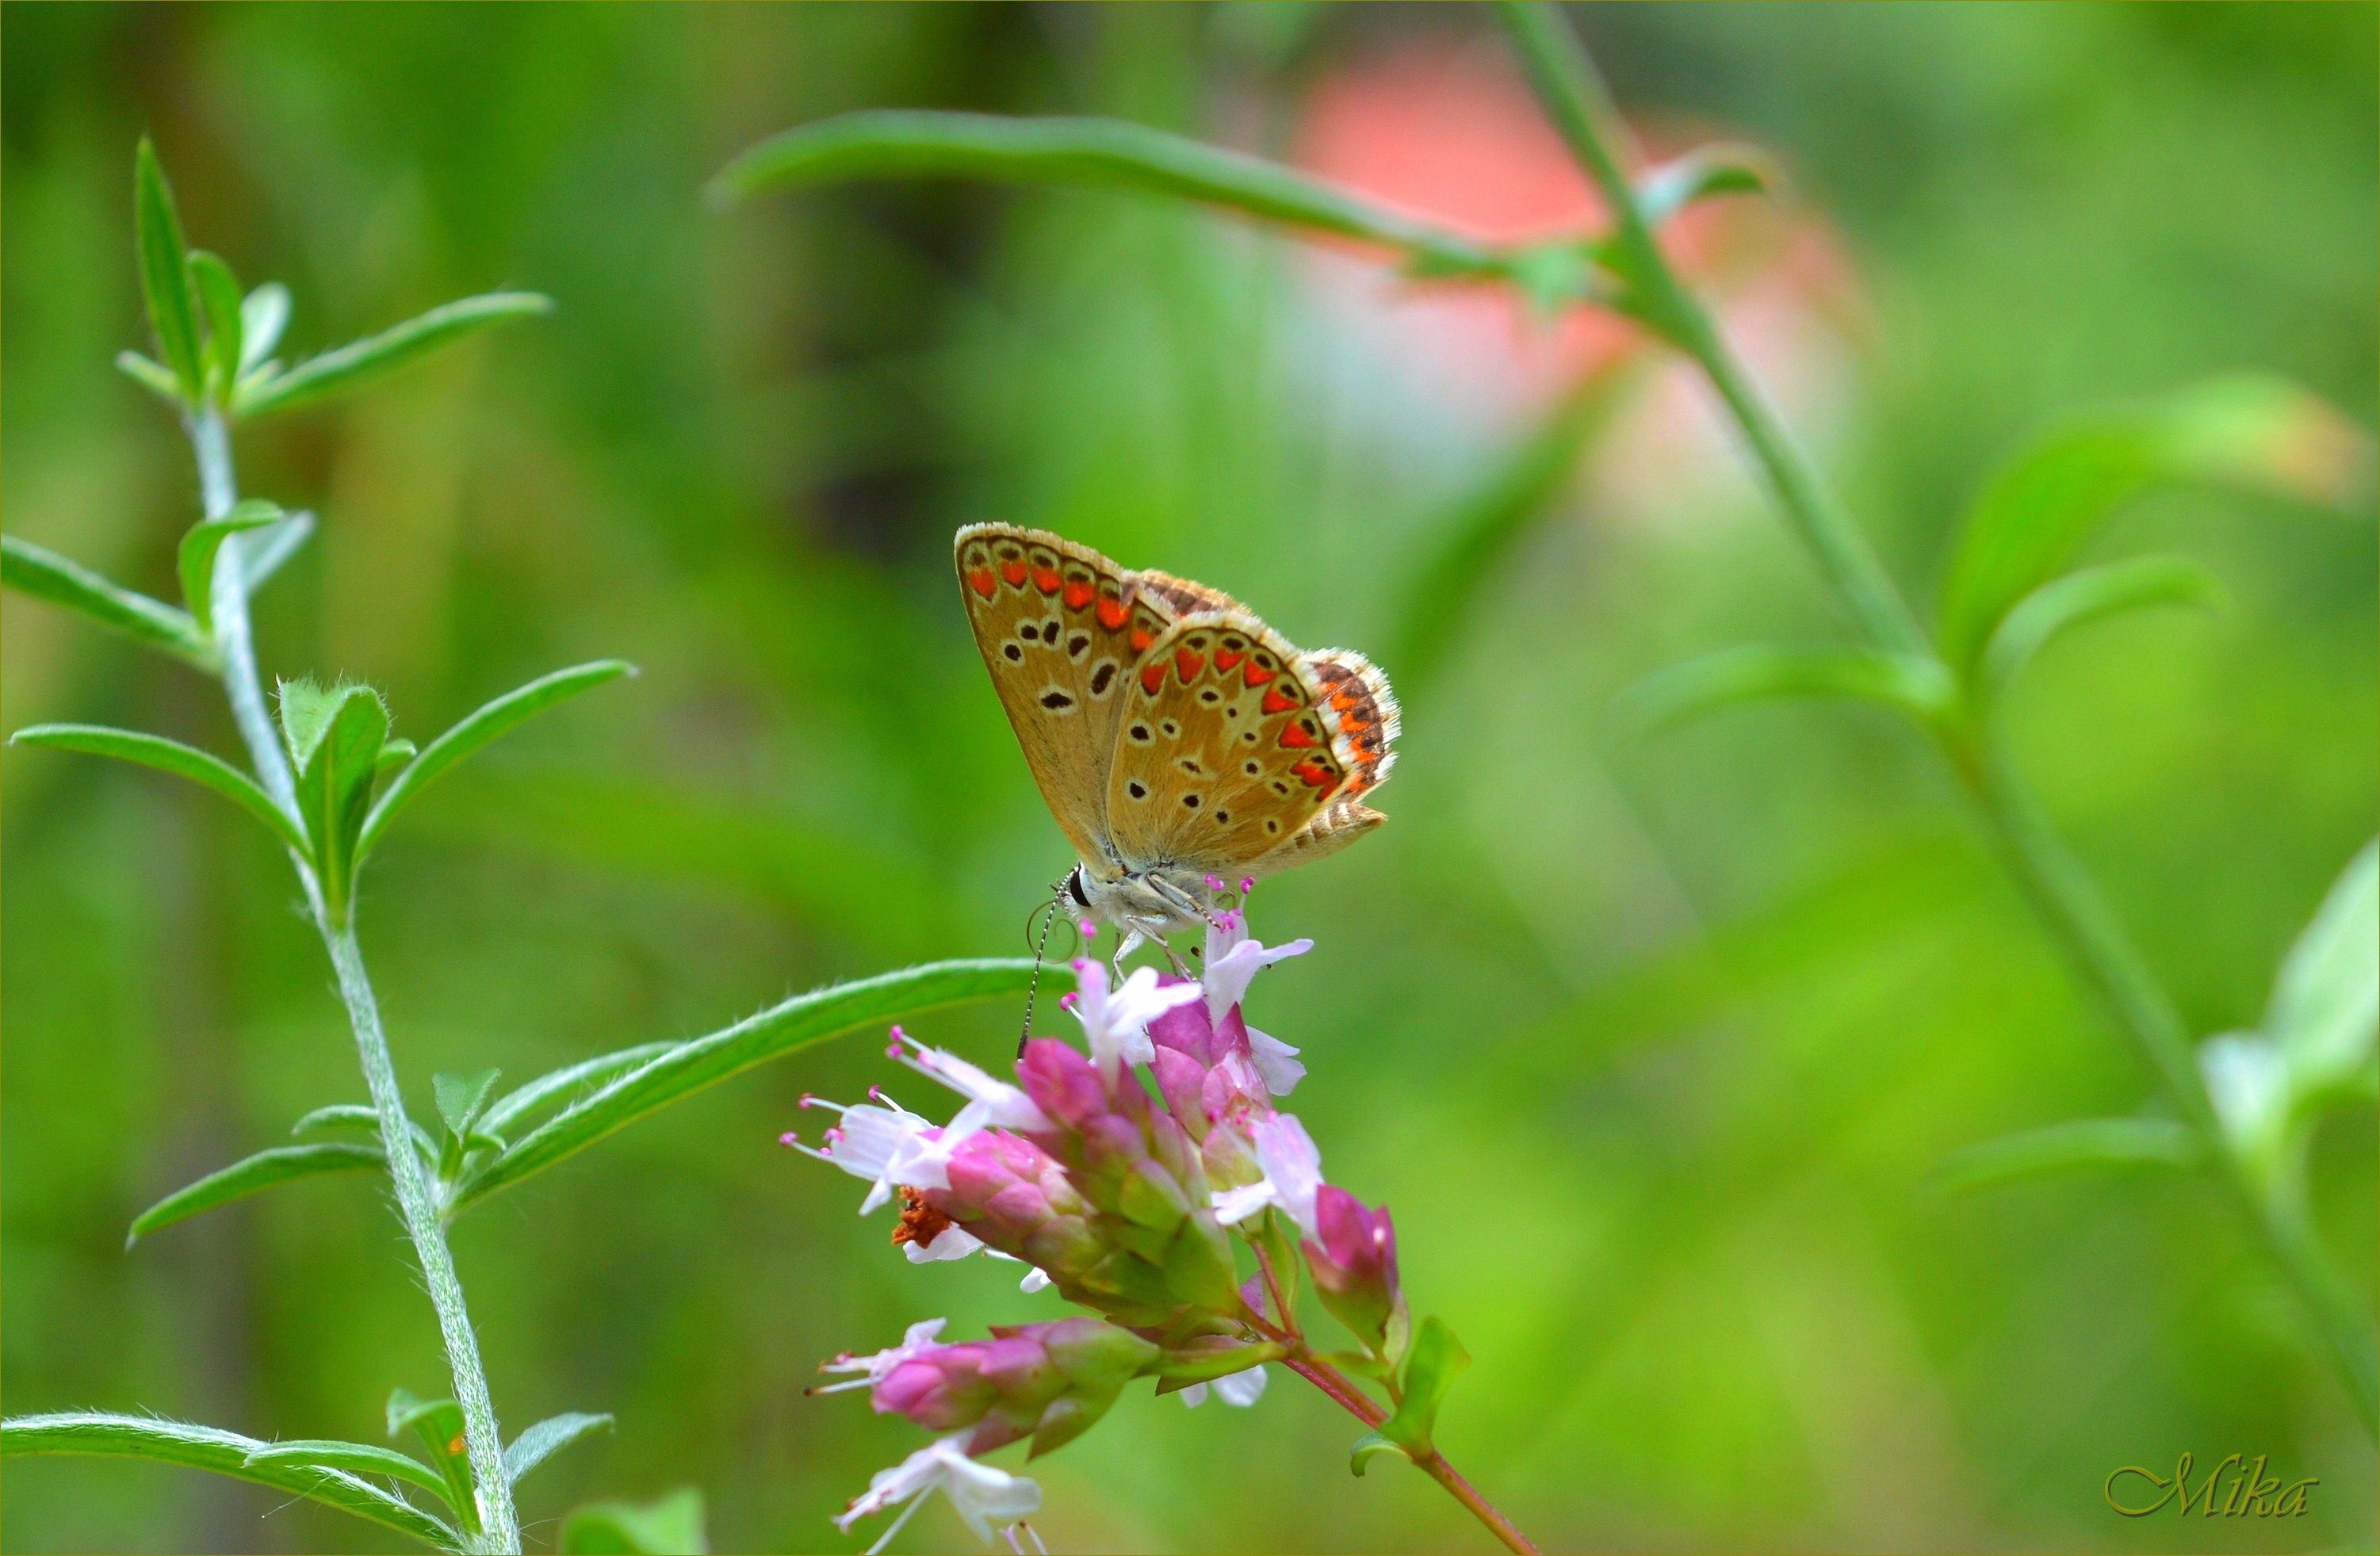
{"x": 1229, "y": 749}
{"x": 1060, "y": 627}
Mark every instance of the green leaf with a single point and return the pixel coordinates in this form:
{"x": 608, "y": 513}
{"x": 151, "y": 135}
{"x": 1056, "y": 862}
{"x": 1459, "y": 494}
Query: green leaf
{"x": 169, "y": 755}
{"x": 263, "y": 556}
{"x": 1436, "y": 1360}
{"x": 253, "y": 1175}
{"x": 2325, "y": 1006}
{"x": 263, "y": 314}
{"x": 687, "y": 1067}
{"x": 671, "y": 1524}
{"x": 338, "y": 1115}
{"x": 509, "y": 1110}
{"x": 2059, "y": 1148}
{"x": 475, "y": 730}
{"x": 1700, "y": 174}
{"x": 204, "y": 543}
{"x": 358, "y": 1458}
{"x": 393, "y": 754}
{"x": 1369, "y": 1447}
{"x": 2086, "y": 595}
{"x": 47, "y": 576}
{"x": 2246, "y": 432}
{"x": 207, "y": 1448}
{"x": 334, "y": 743}
{"x": 165, "y": 273}
{"x": 219, "y": 299}
{"x": 460, "y": 1098}
{"x": 158, "y": 379}
{"x": 548, "y": 1438}
{"x": 438, "y": 1423}
{"x": 1084, "y": 153}
{"x": 333, "y": 371}
{"x": 1917, "y": 687}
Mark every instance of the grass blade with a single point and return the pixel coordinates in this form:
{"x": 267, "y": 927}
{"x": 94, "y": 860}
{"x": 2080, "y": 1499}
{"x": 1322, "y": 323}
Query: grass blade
{"x": 357, "y": 1458}
{"x": 691, "y": 1066}
{"x": 180, "y": 1442}
{"x": 44, "y": 574}
{"x": 353, "y": 364}
{"x": 254, "y": 1174}
{"x": 170, "y": 756}
{"x": 475, "y": 731}
{"x": 165, "y": 273}
{"x": 1084, "y": 153}
{"x": 548, "y": 1438}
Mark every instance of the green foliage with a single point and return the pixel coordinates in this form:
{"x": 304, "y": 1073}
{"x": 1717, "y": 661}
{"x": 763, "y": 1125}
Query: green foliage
{"x": 2080, "y": 1143}
{"x": 548, "y": 1438}
{"x": 1704, "y": 172}
{"x": 334, "y": 736}
{"x": 165, "y": 274}
{"x": 179, "y": 1442}
{"x": 1912, "y": 686}
{"x": 438, "y": 1424}
{"x": 204, "y": 544}
{"x": 357, "y": 1458}
{"x": 671, "y": 1524}
{"x": 254, "y": 1174}
{"x": 2086, "y": 595}
{"x": 2325, "y": 1006}
{"x": 47, "y": 576}
{"x": 170, "y": 756}
{"x": 219, "y": 301}
{"x": 1435, "y": 1361}
{"x": 264, "y": 391}
{"x": 263, "y": 314}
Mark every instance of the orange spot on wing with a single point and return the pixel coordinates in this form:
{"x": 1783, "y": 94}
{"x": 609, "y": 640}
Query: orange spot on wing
{"x": 1141, "y": 639}
{"x": 1257, "y": 674}
{"x": 1078, "y": 594}
{"x": 1187, "y": 664}
{"x": 982, "y": 583}
{"x": 1014, "y": 572}
{"x": 1152, "y": 677}
{"x": 1274, "y": 703}
{"x": 1296, "y": 737}
{"x": 1111, "y": 612}
{"x": 1225, "y": 658}
{"x": 1312, "y": 773}
{"x": 1045, "y": 579}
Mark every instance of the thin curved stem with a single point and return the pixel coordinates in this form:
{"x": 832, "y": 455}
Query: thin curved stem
{"x": 2061, "y": 892}
{"x": 218, "y": 490}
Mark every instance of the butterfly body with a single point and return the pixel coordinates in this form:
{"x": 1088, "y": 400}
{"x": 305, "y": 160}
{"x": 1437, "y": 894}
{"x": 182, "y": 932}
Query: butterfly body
{"x": 1178, "y": 739}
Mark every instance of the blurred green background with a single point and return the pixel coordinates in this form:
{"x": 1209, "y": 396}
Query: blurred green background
{"x": 1651, "y": 1048}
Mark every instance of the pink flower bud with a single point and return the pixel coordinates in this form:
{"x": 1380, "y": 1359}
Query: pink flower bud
{"x": 1049, "y": 1382}
{"x": 1354, "y": 1262}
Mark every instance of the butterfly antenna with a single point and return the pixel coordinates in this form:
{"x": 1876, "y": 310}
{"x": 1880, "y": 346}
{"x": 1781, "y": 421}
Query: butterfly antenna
{"x": 1048, "y": 914}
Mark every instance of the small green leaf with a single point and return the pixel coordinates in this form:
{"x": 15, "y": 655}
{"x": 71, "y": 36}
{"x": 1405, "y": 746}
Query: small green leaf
{"x": 1210, "y": 1357}
{"x": 334, "y": 742}
{"x": 548, "y": 1438}
{"x": 1436, "y": 1360}
{"x": 438, "y": 1423}
{"x": 2059, "y": 1148}
{"x": 209, "y": 1448}
{"x": 2245, "y": 433}
{"x": 1369, "y": 1447}
{"x": 306, "y": 711}
{"x": 202, "y": 546}
{"x": 1700, "y": 174}
{"x": 687, "y": 1067}
{"x": 263, "y": 556}
{"x": 338, "y": 1115}
{"x": 262, "y": 316}
{"x": 1917, "y": 687}
{"x": 159, "y": 381}
{"x": 357, "y": 1458}
{"x": 2325, "y": 1007}
{"x": 393, "y": 754}
{"x": 219, "y": 300}
{"x": 169, "y": 755}
{"x": 46, "y": 575}
{"x": 2086, "y": 595}
{"x": 671, "y": 1524}
{"x": 349, "y": 365}
{"x": 165, "y": 273}
{"x": 461, "y": 1097}
{"x": 1084, "y": 153}
{"x": 488, "y": 722}
{"x": 507, "y": 1111}
{"x": 254, "y": 1174}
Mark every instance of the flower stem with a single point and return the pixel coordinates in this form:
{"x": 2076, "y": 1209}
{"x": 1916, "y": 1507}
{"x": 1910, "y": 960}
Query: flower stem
{"x": 2061, "y": 892}
{"x": 210, "y": 441}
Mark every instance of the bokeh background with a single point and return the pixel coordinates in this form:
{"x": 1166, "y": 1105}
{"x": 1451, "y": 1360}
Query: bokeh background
{"x": 1652, "y": 1048}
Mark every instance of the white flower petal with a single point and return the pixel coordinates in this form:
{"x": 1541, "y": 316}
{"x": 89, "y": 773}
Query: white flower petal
{"x": 1194, "y": 1395}
{"x": 1292, "y": 1167}
{"x": 1035, "y": 1280}
{"x": 1228, "y": 976}
{"x": 1242, "y": 1389}
{"x": 950, "y": 1243}
{"x": 1276, "y": 1062}
{"x": 1234, "y": 1206}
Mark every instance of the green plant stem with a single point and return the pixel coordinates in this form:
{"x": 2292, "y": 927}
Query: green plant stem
{"x": 2052, "y": 881}
{"x": 218, "y": 486}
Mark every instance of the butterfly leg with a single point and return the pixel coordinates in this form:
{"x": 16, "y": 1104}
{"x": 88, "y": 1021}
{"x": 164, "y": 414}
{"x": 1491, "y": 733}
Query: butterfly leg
{"x": 1132, "y": 941}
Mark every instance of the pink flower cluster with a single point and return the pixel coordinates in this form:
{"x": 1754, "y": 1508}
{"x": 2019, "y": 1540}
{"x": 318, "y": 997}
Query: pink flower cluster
{"x": 1133, "y": 1197}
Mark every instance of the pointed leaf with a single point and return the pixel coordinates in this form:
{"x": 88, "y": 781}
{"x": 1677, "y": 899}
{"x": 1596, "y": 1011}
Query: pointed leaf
{"x": 306, "y": 710}
{"x": 2326, "y": 1008}
{"x": 165, "y": 273}
{"x": 669, "y": 1525}
{"x": 338, "y": 1115}
{"x": 1699, "y": 175}
{"x": 47, "y": 576}
{"x": 1436, "y": 1360}
{"x": 2085, "y": 595}
{"x": 2245, "y": 433}
{"x": 1370, "y": 1446}
{"x": 438, "y": 1423}
{"x": 1915, "y": 685}
{"x": 548, "y": 1438}
{"x": 169, "y": 755}
{"x": 262, "y": 316}
{"x": 158, "y": 379}
{"x": 357, "y": 1458}
{"x": 201, "y": 546}
{"x": 208, "y": 1448}
{"x": 253, "y": 1175}
{"x": 2082, "y": 1142}
{"x": 1082, "y": 154}
{"x": 516, "y": 1105}
{"x": 461, "y": 1097}
{"x": 475, "y": 731}
{"x": 685, "y": 1068}
{"x": 219, "y": 301}
{"x": 263, "y": 556}
{"x": 364, "y": 359}
{"x": 347, "y": 726}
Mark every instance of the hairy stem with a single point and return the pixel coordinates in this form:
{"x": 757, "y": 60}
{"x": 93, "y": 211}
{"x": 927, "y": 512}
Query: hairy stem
{"x": 2068, "y": 903}
{"x": 218, "y": 490}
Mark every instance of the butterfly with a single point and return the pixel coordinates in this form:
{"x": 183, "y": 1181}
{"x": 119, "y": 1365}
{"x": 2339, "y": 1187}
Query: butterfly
{"x": 1182, "y": 743}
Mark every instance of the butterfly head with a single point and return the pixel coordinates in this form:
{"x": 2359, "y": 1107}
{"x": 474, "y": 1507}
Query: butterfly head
{"x": 1155, "y": 902}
